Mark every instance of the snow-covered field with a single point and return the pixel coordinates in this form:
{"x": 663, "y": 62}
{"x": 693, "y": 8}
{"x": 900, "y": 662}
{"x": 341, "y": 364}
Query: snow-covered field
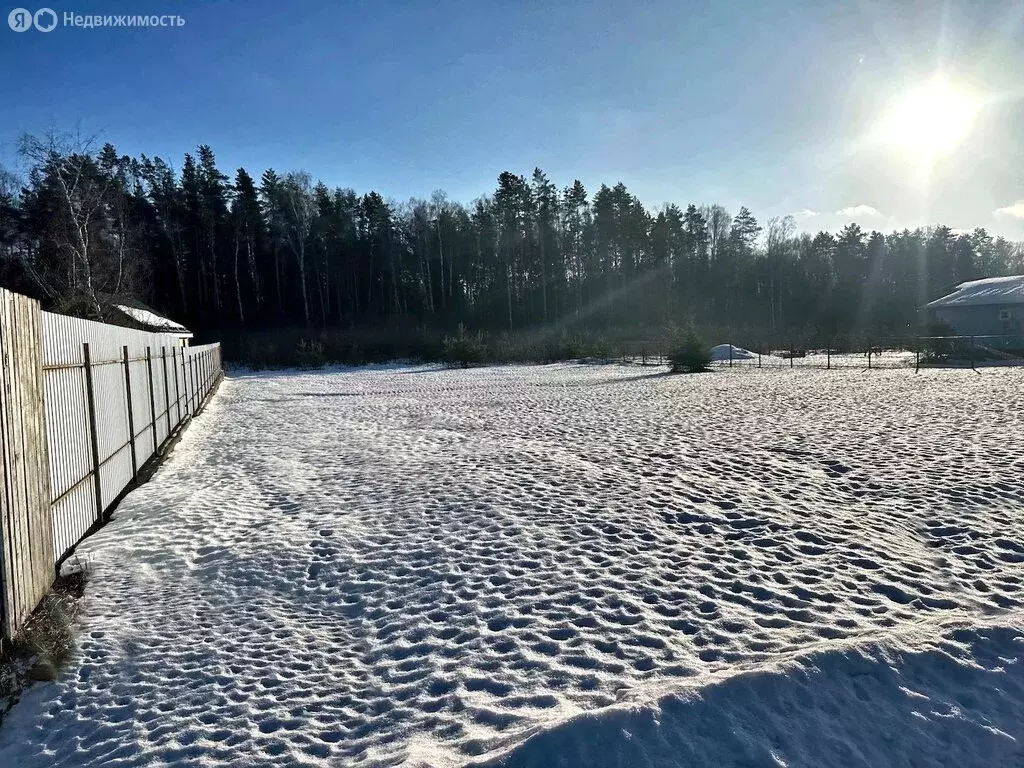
{"x": 561, "y": 566}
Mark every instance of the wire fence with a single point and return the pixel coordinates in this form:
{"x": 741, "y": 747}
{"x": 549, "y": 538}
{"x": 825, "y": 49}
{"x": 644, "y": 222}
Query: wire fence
{"x": 907, "y": 352}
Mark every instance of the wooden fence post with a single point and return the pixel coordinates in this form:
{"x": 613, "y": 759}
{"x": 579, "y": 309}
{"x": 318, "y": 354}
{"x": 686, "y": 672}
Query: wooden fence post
{"x": 26, "y": 526}
{"x": 131, "y": 416}
{"x": 152, "y": 400}
{"x": 167, "y": 390}
{"x": 93, "y": 439}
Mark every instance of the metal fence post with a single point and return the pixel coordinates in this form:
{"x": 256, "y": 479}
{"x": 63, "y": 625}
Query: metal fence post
{"x": 167, "y": 390}
{"x": 186, "y": 375}
{"x": 177, "y": 392}
{"x": 917, "y": 356}
{"x": 828, "y": 357}
{"x": 195, "y": 385}
{"x": 131, "y": 415}
{"x": 970, "y": 353}
{"x": 191, "y": 385}
{"x": 93, "y": 439}
{"x": 869, "y": 355}
{"x": 152, "y": 400}
{"x": 730, "y": 354}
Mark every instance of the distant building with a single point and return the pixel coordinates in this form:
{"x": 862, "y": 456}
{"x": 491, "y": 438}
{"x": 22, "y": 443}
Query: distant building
{"x": 990, "y": 307}
{"x": 134, "y": 314}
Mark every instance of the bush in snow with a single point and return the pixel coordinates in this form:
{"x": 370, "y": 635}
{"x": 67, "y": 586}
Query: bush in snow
{"x": 462, "y": 350}
{"x": 309, "y": 353}
{"x": 689, "y": 354}
{"x": 259, "y": 354}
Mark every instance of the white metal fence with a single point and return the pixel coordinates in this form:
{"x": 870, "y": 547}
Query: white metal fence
{"x": 113, "y": 395}
{"x": 111, "y": 398}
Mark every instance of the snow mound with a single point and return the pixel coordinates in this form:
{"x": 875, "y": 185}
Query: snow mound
{"x": 954, "y": 701}
{"x": 721, "y": 352}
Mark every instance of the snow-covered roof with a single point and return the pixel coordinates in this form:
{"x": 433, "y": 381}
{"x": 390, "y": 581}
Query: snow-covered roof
{"x": 152, "y": 320}
{"x": 991, "y": 290}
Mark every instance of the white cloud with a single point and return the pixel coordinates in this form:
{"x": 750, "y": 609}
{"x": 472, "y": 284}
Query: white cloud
{"x": 1016, "y": 210}
{"x": 806, "y": 213}
{"x": 855, "y": 211}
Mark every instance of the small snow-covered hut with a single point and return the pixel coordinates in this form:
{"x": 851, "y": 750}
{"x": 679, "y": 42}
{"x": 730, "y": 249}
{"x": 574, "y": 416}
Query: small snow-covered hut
{"x": 139, "y": 315}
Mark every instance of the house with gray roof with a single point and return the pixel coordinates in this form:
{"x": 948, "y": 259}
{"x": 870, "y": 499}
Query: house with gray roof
{"x": 993, "y": 307}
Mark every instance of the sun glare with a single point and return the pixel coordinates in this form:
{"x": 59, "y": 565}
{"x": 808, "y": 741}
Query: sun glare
{"x": 930, "y": 120}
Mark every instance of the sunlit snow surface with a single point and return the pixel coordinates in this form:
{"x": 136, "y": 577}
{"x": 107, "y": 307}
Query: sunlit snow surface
{"x": 561, "y": 566}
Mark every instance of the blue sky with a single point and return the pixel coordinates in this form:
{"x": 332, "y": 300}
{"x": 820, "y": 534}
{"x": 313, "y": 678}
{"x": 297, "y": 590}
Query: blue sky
{"x": 761, "y": 104}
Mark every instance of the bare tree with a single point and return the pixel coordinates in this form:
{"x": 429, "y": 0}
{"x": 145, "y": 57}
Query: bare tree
{"x": 294, "y": 199}
{"x": 719, "y": 221}
{"x": 778, "y": 239}
{"x": 82, "y": 195}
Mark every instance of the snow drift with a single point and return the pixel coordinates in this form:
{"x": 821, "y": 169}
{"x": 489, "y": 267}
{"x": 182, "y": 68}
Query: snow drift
{"x": 954, "y": 700}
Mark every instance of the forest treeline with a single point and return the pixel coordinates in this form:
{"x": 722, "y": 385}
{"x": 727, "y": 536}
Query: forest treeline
{"x": 229, "y": 253}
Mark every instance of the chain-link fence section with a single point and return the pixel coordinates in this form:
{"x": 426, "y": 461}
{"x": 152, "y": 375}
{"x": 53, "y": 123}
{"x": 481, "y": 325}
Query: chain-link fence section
{"x": 908, "y": 352}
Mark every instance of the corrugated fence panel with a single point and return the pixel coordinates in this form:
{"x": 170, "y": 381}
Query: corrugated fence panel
{"x": 111, "y": 429}
{"x": 202, "y": 369}
{"x": 159, "y": 403}
{"x": 140, "y": 406}
{"x": 129, "y": 430}
{"x": 67, "y": 423}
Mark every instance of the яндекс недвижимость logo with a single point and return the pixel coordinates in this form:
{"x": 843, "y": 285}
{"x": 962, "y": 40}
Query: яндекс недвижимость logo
{"x": 46, "y": 20}
{"x": 22, "y": 19}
